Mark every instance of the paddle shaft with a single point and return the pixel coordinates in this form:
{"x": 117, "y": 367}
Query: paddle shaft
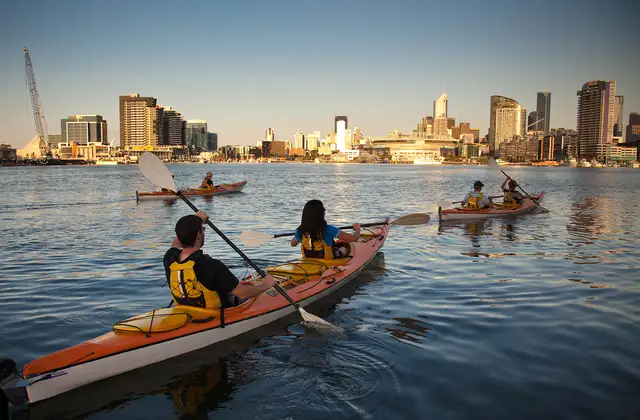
{"x": 280, "y": 235}
{"x": 235, "y": 248}
{"x": 526, "y": 193}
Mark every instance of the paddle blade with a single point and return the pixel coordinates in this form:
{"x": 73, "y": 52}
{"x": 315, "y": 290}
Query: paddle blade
{"x": 493, "y": 164}
{"x": 156, "y": 171}
{"x": 255, "y": 238}
{"x": 313, "y": 321}
{"x": 412, "y": 219}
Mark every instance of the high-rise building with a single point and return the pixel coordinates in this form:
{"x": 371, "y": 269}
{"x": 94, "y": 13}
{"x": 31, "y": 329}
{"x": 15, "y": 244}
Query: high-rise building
{"x": 340, "y": 126}
{"x": 298, "y": 141}
{"x": 139, "y": 123}
{"x": 270, "y": 134}
{"x": 476, "y": 134}
{"x": 618, "y": 109}
{"x": 507, "y": 119}
{"x": 596, "y": 106}
{"x": 440, "y": 106}
{"x": 633, "y": 128}
{"x": 451, "y": 122}
{"x": 532, "y": 121}
{"x": 543, "y": 110}
{"x": 212, "y": 142}
{"x": 196, "y": 135}
{"x": 313, "y": 141}
{"x": 83, "y": 129}
{"x": 173, "y": 129}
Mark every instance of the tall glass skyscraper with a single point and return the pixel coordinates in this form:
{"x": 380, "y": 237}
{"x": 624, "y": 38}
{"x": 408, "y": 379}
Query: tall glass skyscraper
{"x": 543, "y": 112}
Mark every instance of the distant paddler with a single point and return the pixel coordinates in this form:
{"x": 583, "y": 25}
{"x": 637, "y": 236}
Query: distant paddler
{"x": 207, "y": 182}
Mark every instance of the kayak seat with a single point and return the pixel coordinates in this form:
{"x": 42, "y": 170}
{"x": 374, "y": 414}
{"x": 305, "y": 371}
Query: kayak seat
{"x": 165, "y": 319}
{"x": 304, "y": 267}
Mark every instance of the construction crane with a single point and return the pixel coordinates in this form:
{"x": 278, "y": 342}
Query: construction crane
{"x": 38, "y": 115}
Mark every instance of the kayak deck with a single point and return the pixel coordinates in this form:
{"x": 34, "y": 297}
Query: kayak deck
{"x": 192, "y": 192}
{"x": 180, "y": 329}
{"x": 462, "y": 213}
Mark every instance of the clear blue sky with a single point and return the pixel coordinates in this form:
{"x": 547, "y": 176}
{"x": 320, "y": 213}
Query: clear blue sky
{"x": 292, "y": 65}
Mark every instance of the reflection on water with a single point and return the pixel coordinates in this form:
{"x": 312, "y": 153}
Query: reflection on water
{"x": 495, "y": 318}
{"x": 589, "y": 219}
{"x": 196, "y": 394}
{"x": 408, "y": 329}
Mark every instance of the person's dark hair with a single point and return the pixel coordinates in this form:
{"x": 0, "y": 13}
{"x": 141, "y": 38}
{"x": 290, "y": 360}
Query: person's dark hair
{"x": 187, "y": 229}
{"x": 313, "y": 221}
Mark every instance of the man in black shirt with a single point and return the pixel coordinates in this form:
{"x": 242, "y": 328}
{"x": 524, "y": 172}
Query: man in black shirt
{"x": 195, "y": 278}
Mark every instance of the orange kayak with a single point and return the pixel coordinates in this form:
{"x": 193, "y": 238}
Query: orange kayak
{"x": 192, "y": 192}
{"x": 165, "y": 333}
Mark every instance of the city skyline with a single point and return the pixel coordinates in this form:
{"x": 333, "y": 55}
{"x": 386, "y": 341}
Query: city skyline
{"x": 387, "y": 89}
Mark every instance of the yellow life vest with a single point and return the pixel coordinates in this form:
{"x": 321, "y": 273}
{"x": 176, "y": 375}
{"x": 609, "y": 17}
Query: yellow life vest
{"x": 318, "y": 249}
{"x": 508, "y": 199}
{"x": 187, "y": 290}
{"x": 474, "y": 202}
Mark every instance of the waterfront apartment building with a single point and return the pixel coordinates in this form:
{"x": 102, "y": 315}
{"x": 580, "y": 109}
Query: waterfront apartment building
{"x": 543, "y": 113}
{"x": 596, "y": 112}
{"x": 507, "y": 120}
{"x": 520, "y": 149}
{"x": 195, "y": 134}
{"x": 173, "y": 127}
{"x": 138, "y": 121}
{"x": 82, "y": 130}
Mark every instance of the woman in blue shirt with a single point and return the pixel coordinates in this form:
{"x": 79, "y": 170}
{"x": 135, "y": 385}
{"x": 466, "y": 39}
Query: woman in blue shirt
{"x": 317, "y": 237}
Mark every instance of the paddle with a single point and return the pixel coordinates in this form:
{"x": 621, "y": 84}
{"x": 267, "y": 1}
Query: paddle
{"x": 157, "y": 173}
{"x": 255, "y": 238}
{"x": 493, "y": 164}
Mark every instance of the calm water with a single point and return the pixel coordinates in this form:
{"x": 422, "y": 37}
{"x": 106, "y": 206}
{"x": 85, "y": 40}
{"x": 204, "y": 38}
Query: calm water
{"x": 535, "y": 317}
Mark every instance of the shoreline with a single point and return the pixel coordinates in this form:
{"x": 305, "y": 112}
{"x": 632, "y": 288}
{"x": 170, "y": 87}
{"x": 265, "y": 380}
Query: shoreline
{"x": 85, "y": 163}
